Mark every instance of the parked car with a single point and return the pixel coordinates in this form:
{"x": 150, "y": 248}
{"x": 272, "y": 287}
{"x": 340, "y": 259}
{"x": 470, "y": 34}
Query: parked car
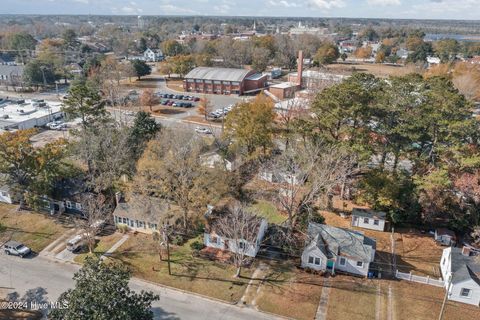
{"x": 188, "y": 105}
{"x": 203, "y": 130}
{"x": 59, "y": 127}
{"x": 196, "y": 99}
{"x": 16, "y": 249}
{"x": 170, "y": 103}
{"x": 176, "y": 104}
{"x": 76, "y": 243}
{"x": 54, "y": 124}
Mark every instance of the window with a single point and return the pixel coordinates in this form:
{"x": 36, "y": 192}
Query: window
{"x": 360, "y": 264}
{"x": 443, "y": 261}
{"x": 365, "y": 220}
{"x": 3, "y": 194}
{"x": 465, "y": 292}
{"x": 314, "y": 260}
{"x": 69, "y": 204}
{"x": 376, "y": 222}
{"x": 78, "y": 206}
{"x": 241, "y": 245}
{"x": 124, "y": 220}
{"x": 343, "y": 261}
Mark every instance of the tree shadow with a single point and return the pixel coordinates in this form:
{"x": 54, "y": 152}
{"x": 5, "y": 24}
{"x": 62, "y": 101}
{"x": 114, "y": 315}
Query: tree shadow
{"x": 160, "y": 314}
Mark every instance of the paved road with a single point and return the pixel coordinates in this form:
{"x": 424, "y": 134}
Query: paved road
{"x": 20, "y": 275}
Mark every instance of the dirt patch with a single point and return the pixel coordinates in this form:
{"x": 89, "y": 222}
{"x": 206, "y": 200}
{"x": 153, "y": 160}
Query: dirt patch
{"x": 165, "y": 110}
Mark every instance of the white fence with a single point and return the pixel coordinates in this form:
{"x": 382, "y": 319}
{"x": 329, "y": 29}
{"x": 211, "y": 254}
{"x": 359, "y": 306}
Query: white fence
{"x": 419, "y": 279}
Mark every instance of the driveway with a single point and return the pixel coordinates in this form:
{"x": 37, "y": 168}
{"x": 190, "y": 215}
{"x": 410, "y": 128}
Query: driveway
{"x": 19, "y": 275}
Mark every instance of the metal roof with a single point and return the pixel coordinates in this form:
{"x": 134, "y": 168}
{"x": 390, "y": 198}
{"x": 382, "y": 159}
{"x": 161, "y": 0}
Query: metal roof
{"x": 8, "y": 70}
{"x": 225, "y": 74}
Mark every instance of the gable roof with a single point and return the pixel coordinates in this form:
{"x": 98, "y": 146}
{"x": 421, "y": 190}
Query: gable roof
{"x": 464, "y": 267}
{"x": 8, "y": 70}
{"x": 226, "y": 74}
{"x": 367, "y": 213}
{"x": 334, "y": 241}
{"x": 143, "y": 208}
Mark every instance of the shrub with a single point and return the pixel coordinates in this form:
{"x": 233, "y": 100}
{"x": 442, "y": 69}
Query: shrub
{"x": 122, "y": 228}
{"x": 196, "y": 246}
{"x": 177, "y": 240}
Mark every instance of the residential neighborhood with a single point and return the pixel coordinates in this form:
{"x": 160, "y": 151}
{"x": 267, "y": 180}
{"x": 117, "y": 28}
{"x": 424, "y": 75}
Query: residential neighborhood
{"x": 240, "y": 160}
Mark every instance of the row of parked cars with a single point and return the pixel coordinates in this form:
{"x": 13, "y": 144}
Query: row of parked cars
{"x": 219, "y": 113}
{"x": 177, "y": 97}
{"x": 173, "y": 103}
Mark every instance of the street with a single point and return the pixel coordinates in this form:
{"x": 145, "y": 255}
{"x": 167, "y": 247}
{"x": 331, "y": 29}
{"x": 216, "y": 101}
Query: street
{"x": 19, "y": 275}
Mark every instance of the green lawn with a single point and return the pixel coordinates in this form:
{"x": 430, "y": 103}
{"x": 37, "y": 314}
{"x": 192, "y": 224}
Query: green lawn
{"x": 101, "y": 247}
{"x": 268, "y": 211}
{"x": 189, "y": 273}
{"x": 35, "y": 230}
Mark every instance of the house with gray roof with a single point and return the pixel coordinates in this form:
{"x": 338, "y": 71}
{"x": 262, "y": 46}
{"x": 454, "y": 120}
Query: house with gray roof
{"x": 461, "y": 273}
{"x": 11, "y": 74}
{"x": 224, "y": 81}
{"x": 332, "y": 249}
{"x": 369, "y": 219}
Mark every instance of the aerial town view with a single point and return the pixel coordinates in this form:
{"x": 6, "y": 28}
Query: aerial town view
{"x": 240, "y": 159}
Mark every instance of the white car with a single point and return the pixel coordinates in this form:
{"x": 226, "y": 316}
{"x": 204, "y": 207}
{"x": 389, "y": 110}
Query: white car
{"x": 59, "y": 127}
{"x": 203, "y": 130}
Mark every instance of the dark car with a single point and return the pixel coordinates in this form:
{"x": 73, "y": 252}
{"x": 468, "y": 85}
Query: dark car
{"x": 170, "y": 103}
{"x": 16, "y": 248}
{"x": 196, "y": 99}
{"x": 188, "y": 105}
{"x": 165, "y": 102}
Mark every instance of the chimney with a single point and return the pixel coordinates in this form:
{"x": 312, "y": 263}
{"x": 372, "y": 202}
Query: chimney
{"x": 300, "y": 68}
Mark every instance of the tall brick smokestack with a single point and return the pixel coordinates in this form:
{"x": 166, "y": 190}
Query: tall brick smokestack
{"x": 300, "y": 68}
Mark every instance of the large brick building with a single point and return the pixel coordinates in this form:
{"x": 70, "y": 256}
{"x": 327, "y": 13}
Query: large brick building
{"x": 224, "y": 81}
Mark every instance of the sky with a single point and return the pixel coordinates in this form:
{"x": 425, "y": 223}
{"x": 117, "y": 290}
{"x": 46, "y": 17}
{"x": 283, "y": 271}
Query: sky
{"x": 409, "y": 9}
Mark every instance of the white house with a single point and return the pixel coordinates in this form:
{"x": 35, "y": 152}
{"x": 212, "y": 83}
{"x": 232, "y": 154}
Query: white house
{"x": 369, "y": 219}
{"x": 332, "y": 249}
{"x": 214, "y": 159}
{"x": 445, "y": 237}
{"x": 433, "y": 60}
{"x": 153, "y": 55}
{"x": 461, "y": 273}
{"x": 214, "y": 238}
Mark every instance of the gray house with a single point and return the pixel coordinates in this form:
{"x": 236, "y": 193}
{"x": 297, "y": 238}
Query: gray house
{"x": 11, "y": 74}
{"x": 461, "y": 273}
{"x": 331, "y": 249}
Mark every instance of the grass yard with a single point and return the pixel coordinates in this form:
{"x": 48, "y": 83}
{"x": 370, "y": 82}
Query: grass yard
{"x": 35, "y": 230}
{"x": 378, "y": 70}
{"x": 351, "y": 298}
{"x": 268, "y": 211}
{"x": 417, "y": 301}
{"x": 418, "y": 253}
{"x": 290, "y": 292}
{"x": 101, "y": 247}
{"x": 176, "y": 85}
{"x": 189, "y": 273}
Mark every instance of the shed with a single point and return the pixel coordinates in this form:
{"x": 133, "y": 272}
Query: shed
{"x": 369, "y": 219}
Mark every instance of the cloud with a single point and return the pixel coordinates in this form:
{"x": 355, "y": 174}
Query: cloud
{"x": 328, "y": 4}
{"x": 384, "y": 3}
{"x": 284, "y": 3}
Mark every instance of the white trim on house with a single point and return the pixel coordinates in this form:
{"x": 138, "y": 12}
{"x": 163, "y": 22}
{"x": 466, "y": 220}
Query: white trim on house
{"x": 218, "y": 242}
{"x": 136, "y": 225}
{"x": 373, "y": 220}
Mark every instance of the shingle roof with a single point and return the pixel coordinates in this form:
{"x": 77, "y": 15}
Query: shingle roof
{"x": 369, "y": 213}
{"x": 334, "y": 241}
{"x": 226, "y": 74}
{"x": 465, "y": 267}
{"x": 9, "y": 70}
{"x": 148, "y": 209}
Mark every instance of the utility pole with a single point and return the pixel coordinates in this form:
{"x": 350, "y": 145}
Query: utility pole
{"x": 165, "y": 237}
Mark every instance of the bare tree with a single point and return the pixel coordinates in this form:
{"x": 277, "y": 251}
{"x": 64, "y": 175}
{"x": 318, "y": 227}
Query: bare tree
{"x": 148, "y": 99}
{"x": 304, "y": 172}
{"x": 240, "y": 229}
{"x": 95, "y": 207}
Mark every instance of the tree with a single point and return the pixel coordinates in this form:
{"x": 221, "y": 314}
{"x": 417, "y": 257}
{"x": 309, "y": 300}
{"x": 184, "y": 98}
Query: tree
{"x": 305, "y": 172}
{"x": 380, "y": 57}
{"x": 148, "y": 98}
{"x": 447, "y": 49}
{"x": 70, "y": 41}
{"x": 260, "y": 59}
{"x": 141, "y": 68}
{"x": 30, "y": 171}
{"x": 21, "y": 42}
{"x": 166, "y": 67}
{"x": 204, "y": 107}
{"x": 84, "y": 102}
{"x": 172, "y": 48}
{"x": 102, "y": 292}
{"x": 38, "y": 73}
{"x": 327, "y": 53}
{"x": 182, "y": 64}
{"x": 344, "y": 56}
{"x": 363, "y": 52}
{"x": 96, "y": 209}
{"x": 420, "y": 53}
{"x": 241, "y": 229}
{"x": 171, "y": 168}
{"x": 144, "y": 129}
{"x": 251, "y": 124}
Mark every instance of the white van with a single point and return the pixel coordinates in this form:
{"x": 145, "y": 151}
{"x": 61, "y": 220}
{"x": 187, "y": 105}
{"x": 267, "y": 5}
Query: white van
{"x": 76, "y": 243}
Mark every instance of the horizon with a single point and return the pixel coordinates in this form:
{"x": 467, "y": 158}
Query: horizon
{"x": 463, "y": 10}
